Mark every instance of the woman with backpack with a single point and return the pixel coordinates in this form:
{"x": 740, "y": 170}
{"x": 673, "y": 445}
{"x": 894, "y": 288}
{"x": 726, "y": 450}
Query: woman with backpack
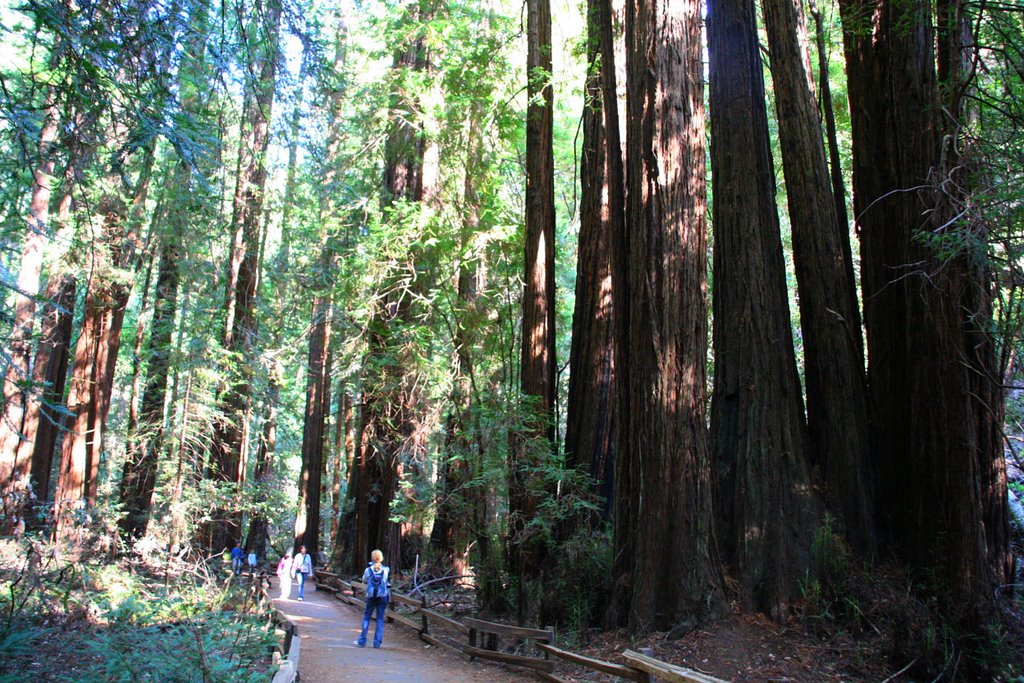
{"x": 378, "y": 590}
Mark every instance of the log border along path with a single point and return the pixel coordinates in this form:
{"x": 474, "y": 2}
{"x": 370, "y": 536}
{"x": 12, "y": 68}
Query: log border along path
{"x": 328, "y": 627}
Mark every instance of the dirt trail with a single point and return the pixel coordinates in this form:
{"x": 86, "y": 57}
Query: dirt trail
{"x": 328, "y": 626}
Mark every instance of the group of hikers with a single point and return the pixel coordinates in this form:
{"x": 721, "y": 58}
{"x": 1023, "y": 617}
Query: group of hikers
{"x": 377, "y": 578}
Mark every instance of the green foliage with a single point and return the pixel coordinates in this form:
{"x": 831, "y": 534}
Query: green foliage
{"x": 115, "y": 625}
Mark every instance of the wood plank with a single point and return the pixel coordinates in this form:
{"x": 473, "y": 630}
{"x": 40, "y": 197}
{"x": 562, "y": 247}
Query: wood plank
{"x": 427, "y": 638}
{"x": 505, "y": 630}
{"x": 670, "y": 672}
{"x": 598, "y": 665}
{"x": 448, "y": 621}
{"x": 404, "y": 620}
{"x": 405, "y": 600}
{"x": 516, "y": 660}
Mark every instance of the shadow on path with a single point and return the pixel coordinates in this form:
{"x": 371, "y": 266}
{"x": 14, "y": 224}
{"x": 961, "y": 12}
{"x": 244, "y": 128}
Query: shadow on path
{"x": 328, "y": 626}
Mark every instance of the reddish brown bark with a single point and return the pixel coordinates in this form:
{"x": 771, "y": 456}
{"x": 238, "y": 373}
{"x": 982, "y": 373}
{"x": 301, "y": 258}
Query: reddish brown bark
{"x": 589, "y": 429}
{"x": 837, "y": 408}
{"x": 662, "y": 424}
{"x": 927, "y": 308}
{"x": 92, "y": 377}
{"x": 14, "y": 471}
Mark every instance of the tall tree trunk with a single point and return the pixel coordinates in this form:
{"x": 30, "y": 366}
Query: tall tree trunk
{"x": 227, "y": 453}
{"x": 927, "y": 308}
{"x": 318, "y": 402}
{"x": 831, "y": 133}
{"x": 43, "y": 419}
{"x": 527, "y": 553}
{"x": 589, "y": 429}
{"x": 140, "y": 468}
{"x": 661, "y": 423}
{"x": 14, "y": 472}
{"x": 837, "y": 408}
{"x": 764, "y": 509}
{"x": 172, "y": 218}
{"x": 391, "y": 395}
{"x": 95, "y": 356}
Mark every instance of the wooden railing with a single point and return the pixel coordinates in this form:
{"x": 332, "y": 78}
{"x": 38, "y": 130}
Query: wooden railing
{"x": 483, "y": 637}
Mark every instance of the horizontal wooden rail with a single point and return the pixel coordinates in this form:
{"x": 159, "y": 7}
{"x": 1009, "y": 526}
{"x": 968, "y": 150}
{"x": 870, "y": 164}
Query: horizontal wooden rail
{"x": 405, "y": 600}
{"x": 517, "y": 660}
{"x": 668, "y": 672}
{"x": 506, "y": 630}
{"x": 610, "y": 668}
{"x": 431, "y": 615}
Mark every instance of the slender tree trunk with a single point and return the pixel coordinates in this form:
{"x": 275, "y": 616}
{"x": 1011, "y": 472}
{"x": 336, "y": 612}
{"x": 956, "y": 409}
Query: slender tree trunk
{"x": 140, "y": 469}
{"x": 227, "y": 453}
{"x": 831, "y": 134}
{"x": 589, "y": 430}
{"x": 527, "y": 553}
{"x": 318, "y": 401}
{"x": 17, "y": 375}
{"x": 837, "y": 409}
{"x": 662, "y": 423}
{"x": 43, "y": 419}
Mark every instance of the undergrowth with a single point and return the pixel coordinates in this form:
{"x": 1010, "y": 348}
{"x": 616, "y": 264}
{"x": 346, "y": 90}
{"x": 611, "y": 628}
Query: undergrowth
{"x": 91, "y": 618}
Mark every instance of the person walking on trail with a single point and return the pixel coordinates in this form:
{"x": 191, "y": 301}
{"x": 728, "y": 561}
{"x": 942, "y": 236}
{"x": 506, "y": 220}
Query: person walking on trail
{"x": 302, "y": 567}
{"x": 253, "y": 561}
{"x": 236, "y": 559}
{"x": 378, "y": 590}
{"x": 284, "y": 575}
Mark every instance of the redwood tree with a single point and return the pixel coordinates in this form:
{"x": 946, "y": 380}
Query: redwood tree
{"x": 227, "y": 452}
{"x": 764, "y": 501}
{"x": 837, "y": 408}
{"x": 661, "y": 425}
{"x": 534, "y": 444}
{"x": 589, "y": 429}
{"x": 927, "y": 304}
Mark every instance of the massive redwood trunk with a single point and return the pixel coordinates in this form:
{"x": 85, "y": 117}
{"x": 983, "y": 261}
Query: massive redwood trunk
{"x": 927, "y": 309}
{"x": 663, "y": 437}
{"x": 95, "y": 356}
{"x": 837, "y": 408}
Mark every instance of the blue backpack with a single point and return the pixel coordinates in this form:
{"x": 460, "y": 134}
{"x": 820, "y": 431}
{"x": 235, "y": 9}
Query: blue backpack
{"x": 377, "y": 587}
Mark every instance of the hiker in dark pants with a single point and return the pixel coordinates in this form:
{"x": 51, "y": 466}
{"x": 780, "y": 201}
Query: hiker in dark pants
{"x": 376, "y": 577}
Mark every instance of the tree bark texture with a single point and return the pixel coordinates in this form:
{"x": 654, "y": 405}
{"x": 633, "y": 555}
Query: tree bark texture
{"x": 663, "y": 432}
{"x": 837, "y": 407}
{"x": 43, "y": 418}
{"x": 931, "y": 366}
{"x": 589, "y": 429}
{"x": 534, "y": 445}
{"x": 92, "y": 377}
{"x": 318, "y": 404}
{"x": 764, "y": 500}
{"x": 17, "y": 375}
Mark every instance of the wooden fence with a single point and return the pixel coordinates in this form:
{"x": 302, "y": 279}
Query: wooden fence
{"x": 483, "y": 639}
